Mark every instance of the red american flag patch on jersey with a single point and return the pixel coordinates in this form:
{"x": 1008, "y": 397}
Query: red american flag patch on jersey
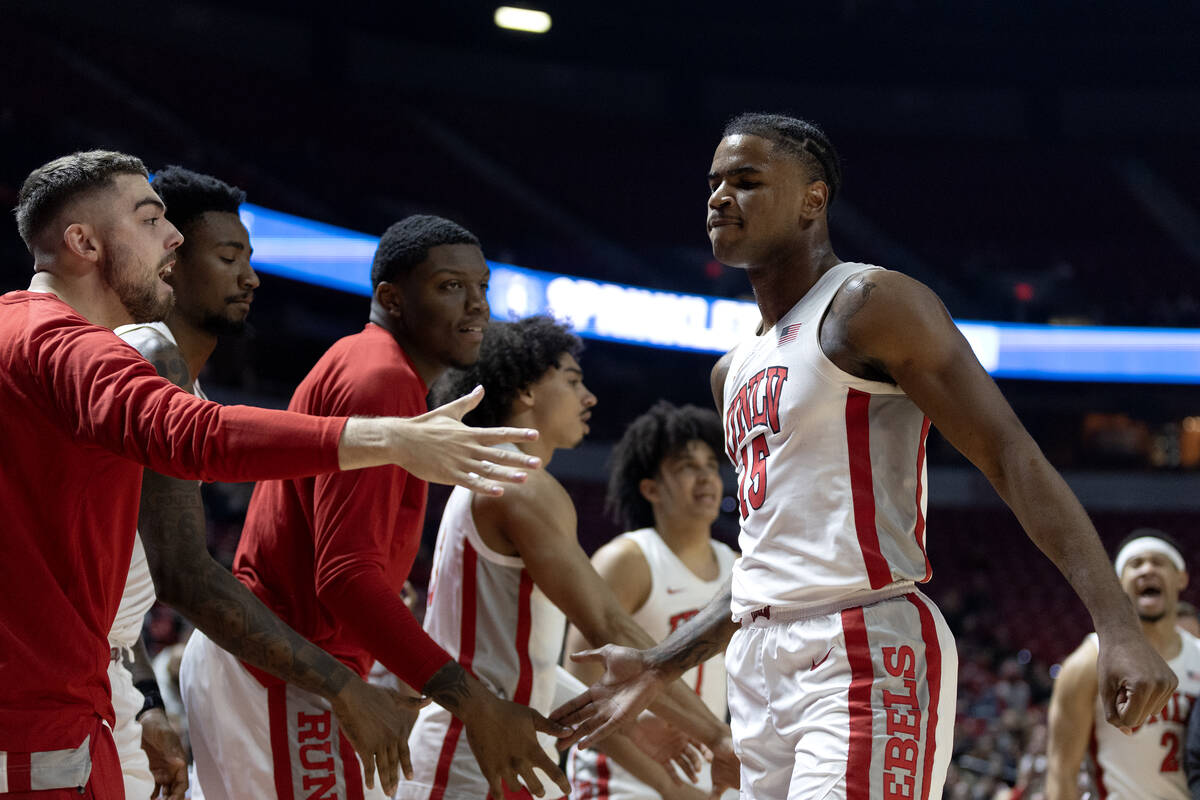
{"x": 789, "y": 332}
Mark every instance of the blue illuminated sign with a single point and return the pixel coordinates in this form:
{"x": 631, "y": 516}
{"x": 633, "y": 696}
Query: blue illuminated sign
{"x": 303, "y": 250}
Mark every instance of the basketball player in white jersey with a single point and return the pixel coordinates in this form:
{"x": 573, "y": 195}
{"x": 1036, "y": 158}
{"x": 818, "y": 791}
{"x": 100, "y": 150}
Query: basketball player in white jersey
{"x": 509, "y": 572}
{"x": 665, "y": 488}
{"x": 841, "y": 673}
{"x": 214, "y": 285}
{"x": 1148, "y": 762}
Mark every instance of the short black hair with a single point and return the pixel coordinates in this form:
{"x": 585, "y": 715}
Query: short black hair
{"x": 800, "y": 138}
{"x": 189, "y": 194}
{"x": 51, "y": 186}
{"x": 513, "y": 356}
{"x": 406, "y": 244}
{"x": 655, "y": 436}
{"x": 1138, "y": 533}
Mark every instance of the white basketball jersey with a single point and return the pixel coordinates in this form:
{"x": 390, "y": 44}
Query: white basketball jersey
{"x": 1149, "y": 764}
{"x": 831, "y": 468}
{"x": 676, "y": 595}
{"x": 485, "y": 611}
{"x": 139, "y": 595}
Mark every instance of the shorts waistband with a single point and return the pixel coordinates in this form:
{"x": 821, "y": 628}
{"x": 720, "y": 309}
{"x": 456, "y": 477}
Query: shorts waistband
{"x": 768, "y": 615}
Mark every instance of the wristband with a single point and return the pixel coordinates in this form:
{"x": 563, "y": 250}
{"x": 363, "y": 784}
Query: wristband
{"x": 149, "y": 690}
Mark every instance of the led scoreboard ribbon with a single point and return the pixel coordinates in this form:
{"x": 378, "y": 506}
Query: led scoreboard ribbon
{"x": 326, "y": 255}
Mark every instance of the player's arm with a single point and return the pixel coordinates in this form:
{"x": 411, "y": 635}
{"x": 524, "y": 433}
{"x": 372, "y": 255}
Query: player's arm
{"x": 539, "y": 520}
{"x": 635, "y": 678}
{"x": 1072, "y": 716}
{"x": 889, "y": 326}
{"x": 622, "y": 565}
{"x": 171, "y": 524}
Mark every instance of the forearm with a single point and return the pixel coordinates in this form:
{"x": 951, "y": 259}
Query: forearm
{"x": 1061, "y": 783}
{"x": 697, "y": 640}
{"x": 1061, "y": 529}
{"x": 371, "y": 611}
{"x": 678, "y": 704}
{"x": 227, "y": 612}
{"x": 171, "y": 524}
{"x": 367, "y": 442}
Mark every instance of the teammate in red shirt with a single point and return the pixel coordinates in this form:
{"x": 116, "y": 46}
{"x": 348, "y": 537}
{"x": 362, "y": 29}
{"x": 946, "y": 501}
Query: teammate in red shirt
{"x": 859, "y": 350}
{"x": 83, "y": 413}
{"x": 330, "y": 554}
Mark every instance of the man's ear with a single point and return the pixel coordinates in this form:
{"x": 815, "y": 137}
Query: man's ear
{"x": 648, "y": 487}
{"x": 81, "y": 240}
{"x": 390, "y": 298}
{"x": 816, "y": 199}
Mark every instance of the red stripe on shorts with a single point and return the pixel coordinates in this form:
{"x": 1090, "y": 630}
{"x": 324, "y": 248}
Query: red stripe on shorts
{"x": 350, "y": 770}
{"x": 466, "y": 653}
{"x": 933, "y": 679}
{"x": 858, "y": 699}
{"x": 601, "y": 776}
{"x": 862, "y": 487}
{"x": 280, "y": 747}
{"x": 919, "y": 528}
{"x": 524, "y": 628}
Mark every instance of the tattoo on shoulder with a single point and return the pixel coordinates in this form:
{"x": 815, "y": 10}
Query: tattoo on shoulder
{"x": 448, "y": 686}
{"x": 168, "y": 362}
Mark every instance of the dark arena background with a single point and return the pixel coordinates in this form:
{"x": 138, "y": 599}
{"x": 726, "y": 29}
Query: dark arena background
{"x": 1033, "y": 163}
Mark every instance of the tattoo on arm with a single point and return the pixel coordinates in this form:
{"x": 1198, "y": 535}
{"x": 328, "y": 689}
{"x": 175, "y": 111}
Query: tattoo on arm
{"x": 448, "y": 687}
{"x": 171, "y": 524}
{"x": 701, "y": 637}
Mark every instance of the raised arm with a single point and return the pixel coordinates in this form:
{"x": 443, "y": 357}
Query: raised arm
{"x": 1072, "y": 717}
{"x": 887, "y": 326}
{"x": 171, "y": 524}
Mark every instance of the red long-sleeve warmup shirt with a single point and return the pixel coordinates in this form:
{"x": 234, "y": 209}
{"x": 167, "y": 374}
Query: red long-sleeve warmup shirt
{"x": 81, "y": 413}
{"x": 330, "y": 554}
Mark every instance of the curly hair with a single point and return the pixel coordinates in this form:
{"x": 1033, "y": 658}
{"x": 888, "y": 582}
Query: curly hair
{"x": 513, "y": 356}
{"x": 51, "y": 186}
{"x": 189, "y": 194}
{"x": 406, "y": 243}
{"x": 649, "y": 440}
{"x": 798, "y": 137}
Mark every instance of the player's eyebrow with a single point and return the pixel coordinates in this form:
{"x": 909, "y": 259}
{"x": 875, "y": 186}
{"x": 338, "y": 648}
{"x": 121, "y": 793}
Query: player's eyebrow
{"x": 575, "y": 370}
{"x": 150, "y": 201}
{"x": 712, "y": 176}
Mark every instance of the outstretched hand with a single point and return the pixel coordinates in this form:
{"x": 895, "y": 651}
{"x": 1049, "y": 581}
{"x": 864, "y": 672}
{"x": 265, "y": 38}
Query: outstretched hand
{"x": 625, "y": 689}
{"x": 377, "y": 722}
{"x": 439, "y": 448}
{"x": 1134, "y": 680}
{"x": 668, "y": 745}
{"x": 503, "y": 739}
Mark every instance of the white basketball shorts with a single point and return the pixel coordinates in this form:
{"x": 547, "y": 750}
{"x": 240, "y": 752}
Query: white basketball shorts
{"x": 249, "y": 740}
{"x": 127, "y": 733}
{"x": 853, "y": 704}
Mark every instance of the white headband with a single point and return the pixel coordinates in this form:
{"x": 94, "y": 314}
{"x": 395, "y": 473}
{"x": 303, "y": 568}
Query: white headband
{"x": 1148, "y": 544}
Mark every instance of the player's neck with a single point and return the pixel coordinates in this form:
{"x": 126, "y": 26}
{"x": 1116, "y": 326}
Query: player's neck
{"x": 780, "y": 284}
{"x": 88, "y": 294}
{"x": 1164, "y": 636}
{"x": 428, "y": 367}
{"x": 196, "y": 344}
{"x": 691, "y": 542}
